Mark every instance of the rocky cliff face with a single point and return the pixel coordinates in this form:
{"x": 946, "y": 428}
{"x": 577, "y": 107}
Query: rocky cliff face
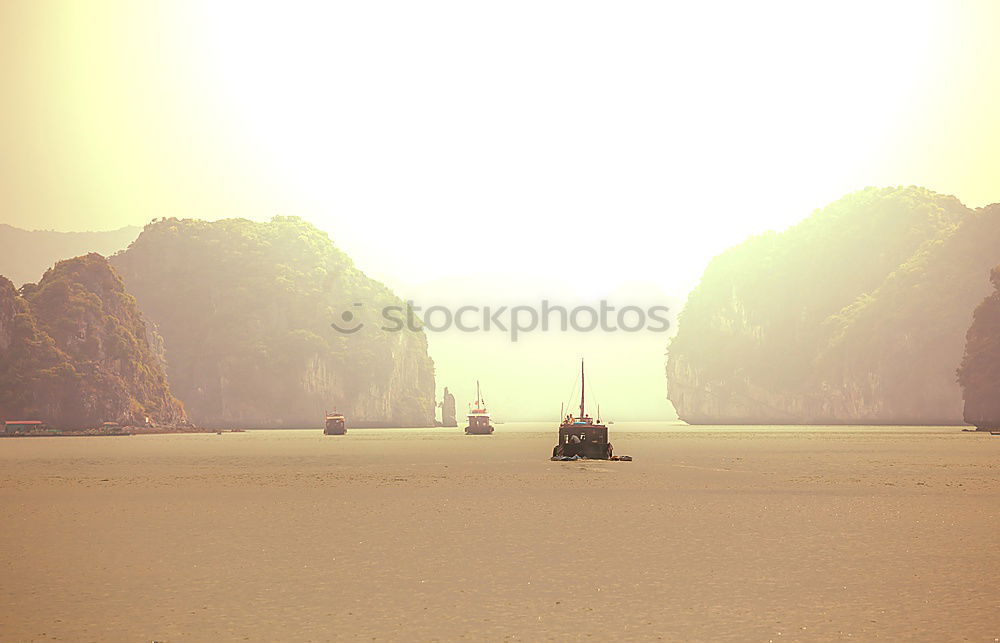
{"x": 448, "y": 409}
{"x": 979, "y": 374}
{"x": 855, "y": 315}
{"x": 247, "y": 313}
{"x": 74, "y": 352}
{"x": 8, "y": 309}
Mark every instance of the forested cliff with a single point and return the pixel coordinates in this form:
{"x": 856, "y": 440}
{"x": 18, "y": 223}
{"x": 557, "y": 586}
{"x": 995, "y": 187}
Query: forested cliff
{"x": 75, "y": 352}
{"x": 979, "y": 373}
{"x": 855, "y": 315}
{"x": 245, "y": 310}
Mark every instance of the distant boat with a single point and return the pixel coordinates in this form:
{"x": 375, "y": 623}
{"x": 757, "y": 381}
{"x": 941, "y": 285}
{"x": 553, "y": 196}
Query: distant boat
{"x": 479, "y": 419}
{"x": 583, "y": 436}
{"x": 336, "y": 424}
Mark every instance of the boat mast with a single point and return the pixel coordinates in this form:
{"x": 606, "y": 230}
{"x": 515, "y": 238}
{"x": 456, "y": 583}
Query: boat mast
{"x": 583, "y": 385}
{"x": 477, "y": 394}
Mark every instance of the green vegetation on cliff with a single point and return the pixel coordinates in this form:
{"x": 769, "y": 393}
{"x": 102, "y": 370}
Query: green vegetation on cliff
{"x": 979, "y": 373}
{"x": 245, "y": 310}
{"x": 856, "y": 314}
{"x": 75, "y": 351}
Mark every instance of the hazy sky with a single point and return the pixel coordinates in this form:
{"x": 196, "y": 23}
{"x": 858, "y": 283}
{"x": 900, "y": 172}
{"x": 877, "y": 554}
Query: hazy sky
{"x": 600, "y": 145}
{"x": 416, "y": 133}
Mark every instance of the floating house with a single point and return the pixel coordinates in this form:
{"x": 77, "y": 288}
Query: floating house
{"x": 10, "y": 427}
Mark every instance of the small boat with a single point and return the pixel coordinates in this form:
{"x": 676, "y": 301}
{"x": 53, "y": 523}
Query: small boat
{"x": 582, "y": 436}
{"x": 479, "y": 419}
{"x": 335, "y": 424}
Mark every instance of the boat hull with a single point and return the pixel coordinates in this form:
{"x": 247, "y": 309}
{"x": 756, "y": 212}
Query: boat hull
{"x": 335, "y": 426}
{"x": 590, "y": 452}
{"x": 583, "y": 439}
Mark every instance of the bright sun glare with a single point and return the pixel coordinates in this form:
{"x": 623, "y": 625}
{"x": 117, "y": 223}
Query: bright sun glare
{"x": 657, "y": 135}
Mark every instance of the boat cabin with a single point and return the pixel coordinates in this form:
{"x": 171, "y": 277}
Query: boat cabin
{"x": 479, "y": 423}
{"x": 336, "y": 424}
{"x": 582, "y": 437}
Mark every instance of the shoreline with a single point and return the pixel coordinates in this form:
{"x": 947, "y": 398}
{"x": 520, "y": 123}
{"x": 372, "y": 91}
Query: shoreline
{"x": 665, "y": 426}
{"x": 125, "y": 432}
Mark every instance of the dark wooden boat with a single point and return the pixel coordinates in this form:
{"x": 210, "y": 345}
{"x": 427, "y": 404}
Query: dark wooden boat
{"x": 479, "y": 418}
{"x": 583, "y": 436}
{"x": 336, "y": 424}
